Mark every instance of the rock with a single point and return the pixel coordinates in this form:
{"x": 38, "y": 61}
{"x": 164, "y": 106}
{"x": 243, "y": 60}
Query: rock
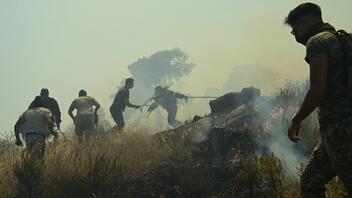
{"x": 227, "y": 102}
{"x": 251, "y": 93}
{"x": 196, "y": 118}
{"x": 190, "y": 133}
{"x": 230, "y": 101}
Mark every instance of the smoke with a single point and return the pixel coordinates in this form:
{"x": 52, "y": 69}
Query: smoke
{"x": 240, "y": 77}
{"x": 277, "y": 113}
{"x": 248, "y": 76}
{"x": 168, "y": 67}
{"x": 277, "y": 119}
{"x": 165, "y": 68}
{"x": 276, "y": 122}
{"x": 162, "y": 68}
{"x": 103, "y": 124}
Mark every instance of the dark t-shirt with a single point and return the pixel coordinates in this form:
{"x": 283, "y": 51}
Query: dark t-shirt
{"x": 53, "y": 106}
{"x": 119, "y": 100}
{"x": 335, "y": 106}
{"x": 168, "y": 98}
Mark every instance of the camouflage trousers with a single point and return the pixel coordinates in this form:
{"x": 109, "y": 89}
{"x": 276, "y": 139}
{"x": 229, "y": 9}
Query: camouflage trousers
{"x": 171, "y": 116}
{"x": 35, "y": 143}
{"x": 332, "y": 157}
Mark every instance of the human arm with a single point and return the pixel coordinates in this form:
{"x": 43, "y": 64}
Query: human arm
{"x": 70, "y": 111}
{"x": 180, "y": 96}
{"x": 129, "y": 104}
{"x": 57, "y": 114}
{"x": 55, "y": 109}
{"x": 317, "y": 51}
{"x": 96, "y": 104}
{"x": 21, "y": 120}
{"x": 56, "y": 136}
{"x": 152, "y": 107}
{"x": 50, "y": 121}
{"x": 318, "y": 81}
{"x": 126, "y": 96}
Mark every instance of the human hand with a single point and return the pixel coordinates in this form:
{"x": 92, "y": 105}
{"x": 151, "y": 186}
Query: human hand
{"x": 293, "y": 131}
{"x": 19, "y": 143}
{"x": 137, "y": 106}
{"x": 55, "y": 133}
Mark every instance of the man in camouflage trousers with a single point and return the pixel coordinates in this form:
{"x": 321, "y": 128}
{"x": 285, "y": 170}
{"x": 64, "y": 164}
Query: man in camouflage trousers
{"x": 328, "y": 91}
{"x": 167, "y": 99}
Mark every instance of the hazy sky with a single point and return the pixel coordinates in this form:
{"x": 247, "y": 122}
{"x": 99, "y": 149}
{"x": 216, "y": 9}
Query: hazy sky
{"x": 67, "y": 45}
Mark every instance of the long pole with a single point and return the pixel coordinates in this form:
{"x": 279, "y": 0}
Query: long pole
{"x": 202, "y": 97}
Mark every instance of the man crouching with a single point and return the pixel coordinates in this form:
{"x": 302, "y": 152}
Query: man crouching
{"x": 35, "y": 125}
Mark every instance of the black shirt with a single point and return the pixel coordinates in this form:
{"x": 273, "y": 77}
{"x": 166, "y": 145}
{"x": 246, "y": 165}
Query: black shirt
{"x": 53, "y": 106}
{"x": 119, "y": 100}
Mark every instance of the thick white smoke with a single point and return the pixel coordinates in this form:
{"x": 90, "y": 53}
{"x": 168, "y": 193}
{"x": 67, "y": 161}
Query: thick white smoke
{"x": 277, "y": 140}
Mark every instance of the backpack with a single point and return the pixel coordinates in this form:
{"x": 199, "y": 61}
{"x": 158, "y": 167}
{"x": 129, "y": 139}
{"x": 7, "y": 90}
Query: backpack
{"x": 346, "y": 44}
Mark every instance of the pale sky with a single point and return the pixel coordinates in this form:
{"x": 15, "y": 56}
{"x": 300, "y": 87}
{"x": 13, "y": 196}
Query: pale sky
{"x": 67, "y": 45}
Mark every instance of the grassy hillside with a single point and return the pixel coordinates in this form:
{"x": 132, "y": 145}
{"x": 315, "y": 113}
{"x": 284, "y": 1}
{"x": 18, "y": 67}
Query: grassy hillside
{"x": 134, "y": 164}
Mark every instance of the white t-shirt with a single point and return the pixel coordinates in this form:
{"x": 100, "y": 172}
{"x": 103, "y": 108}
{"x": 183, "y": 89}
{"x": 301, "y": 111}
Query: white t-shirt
{"x": 37, "y": 120}
{"x": 84, "y": 104}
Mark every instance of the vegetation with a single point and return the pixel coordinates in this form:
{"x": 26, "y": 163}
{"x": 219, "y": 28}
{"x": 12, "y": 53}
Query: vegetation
{"x": 133, "y": 164}
{"x": 136, "y": 165}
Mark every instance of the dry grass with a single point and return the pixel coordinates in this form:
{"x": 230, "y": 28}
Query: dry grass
{"x": 264, "y": 177}
{"x": 8, "y": 157}
{"x": 102, "y": 166}
{"x": 137, "y": 165}
{"x": 335, "y": 189}
{"x": 133, "y": 164}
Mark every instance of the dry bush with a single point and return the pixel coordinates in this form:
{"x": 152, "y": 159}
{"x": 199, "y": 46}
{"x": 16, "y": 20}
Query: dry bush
{"x": 335, "y": 189}
{"x": 8, "y": 182}
{"x": 104, "y": 165}
{"x": 247, "y": 181}
{"x": 290, "y": 98}
{"x": 264, "y": 176}
{"x": 272, "y": 175}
